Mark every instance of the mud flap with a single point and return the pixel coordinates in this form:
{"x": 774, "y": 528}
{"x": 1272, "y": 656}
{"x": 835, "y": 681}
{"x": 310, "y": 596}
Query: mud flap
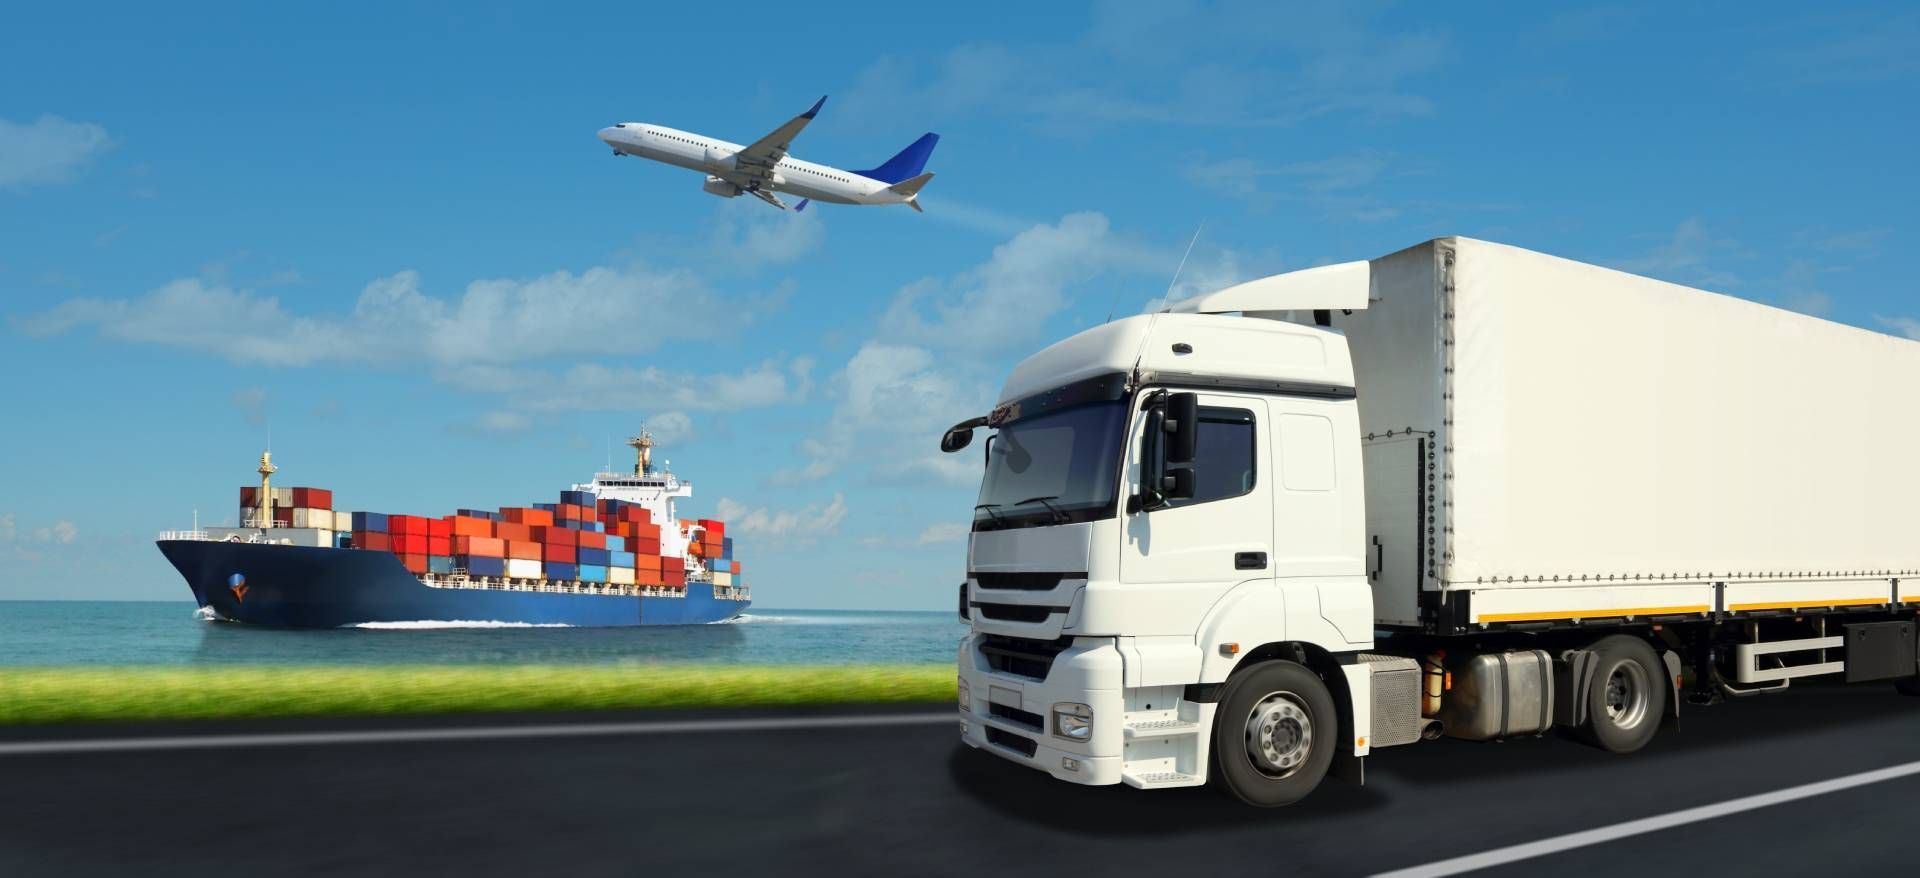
{"x": 1572, "y": 680}
{"x": 1672, "y": 660}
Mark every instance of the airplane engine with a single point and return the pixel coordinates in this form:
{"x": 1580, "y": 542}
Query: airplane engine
{"x": 722, "y": 188}
{"x": 722, "y": 160}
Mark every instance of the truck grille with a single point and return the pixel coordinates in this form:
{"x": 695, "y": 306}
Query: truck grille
{"x": 1031, "y": 721}
{"x": 1014, "y": 612}
{"x": 1020, "y": 656}
{"x": 1026, "y": 580}
{"x": 1020, "y": 744}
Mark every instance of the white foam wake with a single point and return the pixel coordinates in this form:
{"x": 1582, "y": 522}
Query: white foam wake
{"x": 207, "y": 614}
{"x": 429, "y": 624}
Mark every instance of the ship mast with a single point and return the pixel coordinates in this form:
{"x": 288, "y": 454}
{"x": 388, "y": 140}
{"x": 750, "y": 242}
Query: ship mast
{"x": 643, "y": 449}
{"x": 263, "y": 502}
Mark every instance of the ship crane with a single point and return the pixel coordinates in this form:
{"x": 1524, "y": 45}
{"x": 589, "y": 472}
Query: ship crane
{"x": 263, "y": 503}
{"x": 643, "y": 449}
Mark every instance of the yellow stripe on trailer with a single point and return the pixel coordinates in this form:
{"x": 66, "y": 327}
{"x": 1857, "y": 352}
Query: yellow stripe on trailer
{"x": 1810, "y": 603}
{"x": 1554, "y": 615}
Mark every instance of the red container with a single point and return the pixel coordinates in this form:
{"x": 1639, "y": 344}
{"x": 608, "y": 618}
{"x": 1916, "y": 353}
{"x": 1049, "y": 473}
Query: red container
{"x": 248, "y": 495}
{"x": 439, "y": 528}
{"x": 644, "y": 546}
{"x": 372, "y": 540}
{"x": 523, "y": 550}
{"x": 406, "y": 524}
{"x": 416, "y": 564}
{"x": 554, "y": 553}
{"x": 480, "y": 547}
{"x": 646, "y": 562}
{"x": 715, "y": 529}
{"x": 592, "y": 540}
{"x": 673, "y": 565}
{"x": 736, "y": 568}
{"x": 439, "y": 545}
{"x": 636, "y": 515}
{"x": 556, "y": 535}
{"x": 519, "y": 515}
{"x": 676, "y": 579}
{"x": 410, "y": 544}
{"x": 312, "y": 498}
{"x": 648, "y": 576}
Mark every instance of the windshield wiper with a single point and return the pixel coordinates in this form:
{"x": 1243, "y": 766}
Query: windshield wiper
{"x": 1058, "y": 516}
{"x": 995, "y": 515}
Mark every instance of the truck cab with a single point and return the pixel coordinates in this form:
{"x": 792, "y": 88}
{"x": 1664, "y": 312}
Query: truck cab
{"x": 1168, "y": 498}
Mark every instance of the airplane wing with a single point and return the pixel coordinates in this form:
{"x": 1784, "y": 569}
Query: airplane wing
{"x": 760, "y": 156}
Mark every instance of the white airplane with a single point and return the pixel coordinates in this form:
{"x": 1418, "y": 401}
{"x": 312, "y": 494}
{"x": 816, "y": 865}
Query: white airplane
{"x": 763, "y": 167}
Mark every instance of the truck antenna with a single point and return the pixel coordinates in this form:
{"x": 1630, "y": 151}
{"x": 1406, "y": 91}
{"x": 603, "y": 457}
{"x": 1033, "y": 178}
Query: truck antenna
{"x": 1176, "y": 271}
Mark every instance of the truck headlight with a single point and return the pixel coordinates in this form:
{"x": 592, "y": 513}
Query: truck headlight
{"x": 966, "y": 696}
{"x": 1072, "y": 721}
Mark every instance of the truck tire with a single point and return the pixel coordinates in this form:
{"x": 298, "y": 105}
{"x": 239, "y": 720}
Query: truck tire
{"x": 1629, "y": 695}
{"x": 1274, "y": 734}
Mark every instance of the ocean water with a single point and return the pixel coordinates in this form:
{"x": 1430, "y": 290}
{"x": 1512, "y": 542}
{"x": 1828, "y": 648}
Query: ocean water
{"x": 169, "y": 633}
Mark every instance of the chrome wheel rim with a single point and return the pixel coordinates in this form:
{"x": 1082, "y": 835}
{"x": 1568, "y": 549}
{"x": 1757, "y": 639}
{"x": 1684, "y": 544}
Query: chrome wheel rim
{"x": 1626, "y": 695}
{"x": 1279, "y": 734}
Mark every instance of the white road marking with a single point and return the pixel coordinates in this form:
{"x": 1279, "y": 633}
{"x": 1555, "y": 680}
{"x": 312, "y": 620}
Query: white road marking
{"x": 488, "y": 733}
{"x": 1516, "y": 853}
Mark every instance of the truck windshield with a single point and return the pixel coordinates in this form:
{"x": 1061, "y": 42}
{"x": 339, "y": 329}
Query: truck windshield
{"x": 1055, "y": 468}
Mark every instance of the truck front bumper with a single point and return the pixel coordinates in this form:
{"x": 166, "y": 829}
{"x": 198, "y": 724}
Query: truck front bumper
{"x": 1011, "y": 715}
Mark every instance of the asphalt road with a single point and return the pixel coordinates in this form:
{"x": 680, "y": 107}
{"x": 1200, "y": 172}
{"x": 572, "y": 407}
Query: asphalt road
{"x": 908, "y": 800}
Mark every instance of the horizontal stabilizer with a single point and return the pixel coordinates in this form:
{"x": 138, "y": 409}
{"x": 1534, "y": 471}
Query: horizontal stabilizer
{"x": 910, "y": 187}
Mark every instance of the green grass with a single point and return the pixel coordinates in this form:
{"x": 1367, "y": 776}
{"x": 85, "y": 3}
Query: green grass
{"x": 30, "y": 695}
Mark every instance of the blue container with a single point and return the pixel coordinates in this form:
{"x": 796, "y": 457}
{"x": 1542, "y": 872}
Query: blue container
{"x": 439, "y": 564}
{"x": 558, "y": 570}
{"x": 550, "y": 507}
{"x": 615, "y": 544}
{"x": 480, "y": 565}
{"x": 617, "y": 558}
{"x": 370, "y": 521}
{"x": 593, "y": 573}
{"x": 596, "y": 557}
{"x": 597, "y": 527}
{"x": 726, "y": 548}
{"x": 343, "y": 540}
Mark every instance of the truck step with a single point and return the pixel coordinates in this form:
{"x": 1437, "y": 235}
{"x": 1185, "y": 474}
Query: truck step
{"x": 1161, "y": 780}
{"x": 1160, "y": 728}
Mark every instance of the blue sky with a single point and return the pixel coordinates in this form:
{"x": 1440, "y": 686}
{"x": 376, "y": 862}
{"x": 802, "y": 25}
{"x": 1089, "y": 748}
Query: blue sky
{"x": 389, "y": 235}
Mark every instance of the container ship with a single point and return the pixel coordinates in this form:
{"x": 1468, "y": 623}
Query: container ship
{"x": 611, "y": 552}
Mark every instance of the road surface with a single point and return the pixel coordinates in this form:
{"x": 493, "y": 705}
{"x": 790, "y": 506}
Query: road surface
{"x": 904, "y": 798}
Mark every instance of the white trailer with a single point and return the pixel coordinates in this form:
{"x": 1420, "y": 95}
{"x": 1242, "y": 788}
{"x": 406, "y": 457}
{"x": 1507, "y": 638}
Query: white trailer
{"x": 1462, "y": 489}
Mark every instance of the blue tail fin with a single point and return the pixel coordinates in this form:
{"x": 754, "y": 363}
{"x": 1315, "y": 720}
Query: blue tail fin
{"x": 908, "y": 164}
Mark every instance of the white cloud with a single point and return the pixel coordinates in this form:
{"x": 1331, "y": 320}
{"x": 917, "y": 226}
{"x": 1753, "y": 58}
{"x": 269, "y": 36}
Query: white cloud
{"x": 1005, "y": 301}
{"x": 783, "y": 525}
{"x": 6, "y": 528}
{"x": 1692, "y": 255}
{"x": 1907, "y": 326}
{"x": 750, "y": 235}
{"x": 62, "y": 532}
{"x": 594, "y": 387}
{"x": 500, "y": 423}
{"x": 944, "y": 532}
{"x": 47, "y": 150}
{"x": 491, "y": 323}
{"x": 670, "y": 428}
{"x": 252, "y": 403}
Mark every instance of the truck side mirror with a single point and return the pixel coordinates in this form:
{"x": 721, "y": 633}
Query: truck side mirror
{"x": 1183, "y": 427}
{"x": 1177, "y": 483}
{"x": 955, "y": 440}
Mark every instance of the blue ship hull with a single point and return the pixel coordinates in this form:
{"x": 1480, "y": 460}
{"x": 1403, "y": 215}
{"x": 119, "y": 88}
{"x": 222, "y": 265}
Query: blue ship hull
{"x": 303, "y": 587}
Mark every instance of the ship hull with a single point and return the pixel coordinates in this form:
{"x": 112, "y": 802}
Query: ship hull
{"x": 303, "y": 587}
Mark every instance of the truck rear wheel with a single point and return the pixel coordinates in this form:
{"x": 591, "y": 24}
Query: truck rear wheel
{"x": 1274, "y": 734}
{"x": 1629, "y": 695}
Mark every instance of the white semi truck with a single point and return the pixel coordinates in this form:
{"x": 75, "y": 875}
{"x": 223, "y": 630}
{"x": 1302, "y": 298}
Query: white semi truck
{"x": 1464, "y": 489}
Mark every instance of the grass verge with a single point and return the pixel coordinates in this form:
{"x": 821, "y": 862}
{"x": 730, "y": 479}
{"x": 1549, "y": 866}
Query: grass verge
{"x": 68, "y": 695}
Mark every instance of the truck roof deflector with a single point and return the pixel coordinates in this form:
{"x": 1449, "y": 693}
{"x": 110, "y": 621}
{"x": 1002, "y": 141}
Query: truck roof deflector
{"x": 1343, "y": 286}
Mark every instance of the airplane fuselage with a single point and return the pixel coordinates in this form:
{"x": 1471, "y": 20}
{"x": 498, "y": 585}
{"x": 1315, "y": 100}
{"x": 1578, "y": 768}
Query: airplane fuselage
{"x": 697, "y": 152}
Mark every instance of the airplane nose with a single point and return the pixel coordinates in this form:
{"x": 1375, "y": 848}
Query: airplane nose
{"x": 606, "y": 134}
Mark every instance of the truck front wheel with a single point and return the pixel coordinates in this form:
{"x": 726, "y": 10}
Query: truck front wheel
{"x": 1629, "y": 695}
{"x": 1274, "y": 734}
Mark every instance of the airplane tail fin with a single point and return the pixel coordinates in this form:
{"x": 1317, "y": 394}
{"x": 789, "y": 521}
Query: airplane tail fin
{"x": 908, "y": 163}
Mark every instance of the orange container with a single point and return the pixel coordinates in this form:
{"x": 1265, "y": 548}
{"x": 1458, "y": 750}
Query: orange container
{"x": 508, "y": 530}
{"x": 535, "y": 517}
{"x": 523, "y": 550}
{"x": 736, "y": 568}
{"x": 555, "y": 535}
{"x": 714, "y": 528}
{"x": 646, "y": 562}
{"x": 592, "y": 540}
{"x": 481, "y": 547}
{"x": 416, "y": 564}
{"x": 468, "y": 526}
{"x": 646, "y": 576}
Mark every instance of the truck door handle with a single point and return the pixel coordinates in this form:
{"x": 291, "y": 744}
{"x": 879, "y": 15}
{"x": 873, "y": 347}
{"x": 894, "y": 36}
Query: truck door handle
{"x": 1250, "y": 561}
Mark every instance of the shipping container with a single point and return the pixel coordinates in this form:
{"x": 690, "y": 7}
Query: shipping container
{"x": 555, "y": 535}
{"x": 723, "y": 579}
{"x": 439, "y": 527}
{"x": 523, "y": 550}
{"x": 249, "y": 494}
{"x": 372, "y": 540}
{"x": 481, "y": 565}
{"x": 415, "y": 564}
{"x": 283, "y": 497}
{"x": 560, "y": 571}
{"x": 523, "y": 568}
{"x": 490, "y": 547}
{"x": 563, "y": 554}
{"x": 312, "y": 498}
{"x": 593, "y": 573}
{"x": 735, "y": 567}
{"x": 615, "y": 544}
{"x": 620, "y": 575}
{"x": 369, "y": 521}
{"x": 530, "y": 517}
{"x": 648, "y": 576}
{"x": 342, "y": 520}
{"x": 646, "y": 546}
{"x": 676, "y": 578}
{"x": 591, "y": 540}
{"x": 597, "y": 557}
{"x": 468, "y": 526}
{"x": 439, "y": 564}
{"x": 410, "y": 544}
{"x": 508, "y": 530}
{"x": 406, "y": 524}
{"x": 439, "y": 546}
{"x": 314, "y": 518}
{"x": 620, "y": 559}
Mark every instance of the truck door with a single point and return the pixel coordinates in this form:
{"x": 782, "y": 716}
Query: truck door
{"x": 1223, "y": 536}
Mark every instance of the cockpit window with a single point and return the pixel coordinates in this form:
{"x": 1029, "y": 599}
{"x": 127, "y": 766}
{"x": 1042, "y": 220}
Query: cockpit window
{"x": 620, "y": 125}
